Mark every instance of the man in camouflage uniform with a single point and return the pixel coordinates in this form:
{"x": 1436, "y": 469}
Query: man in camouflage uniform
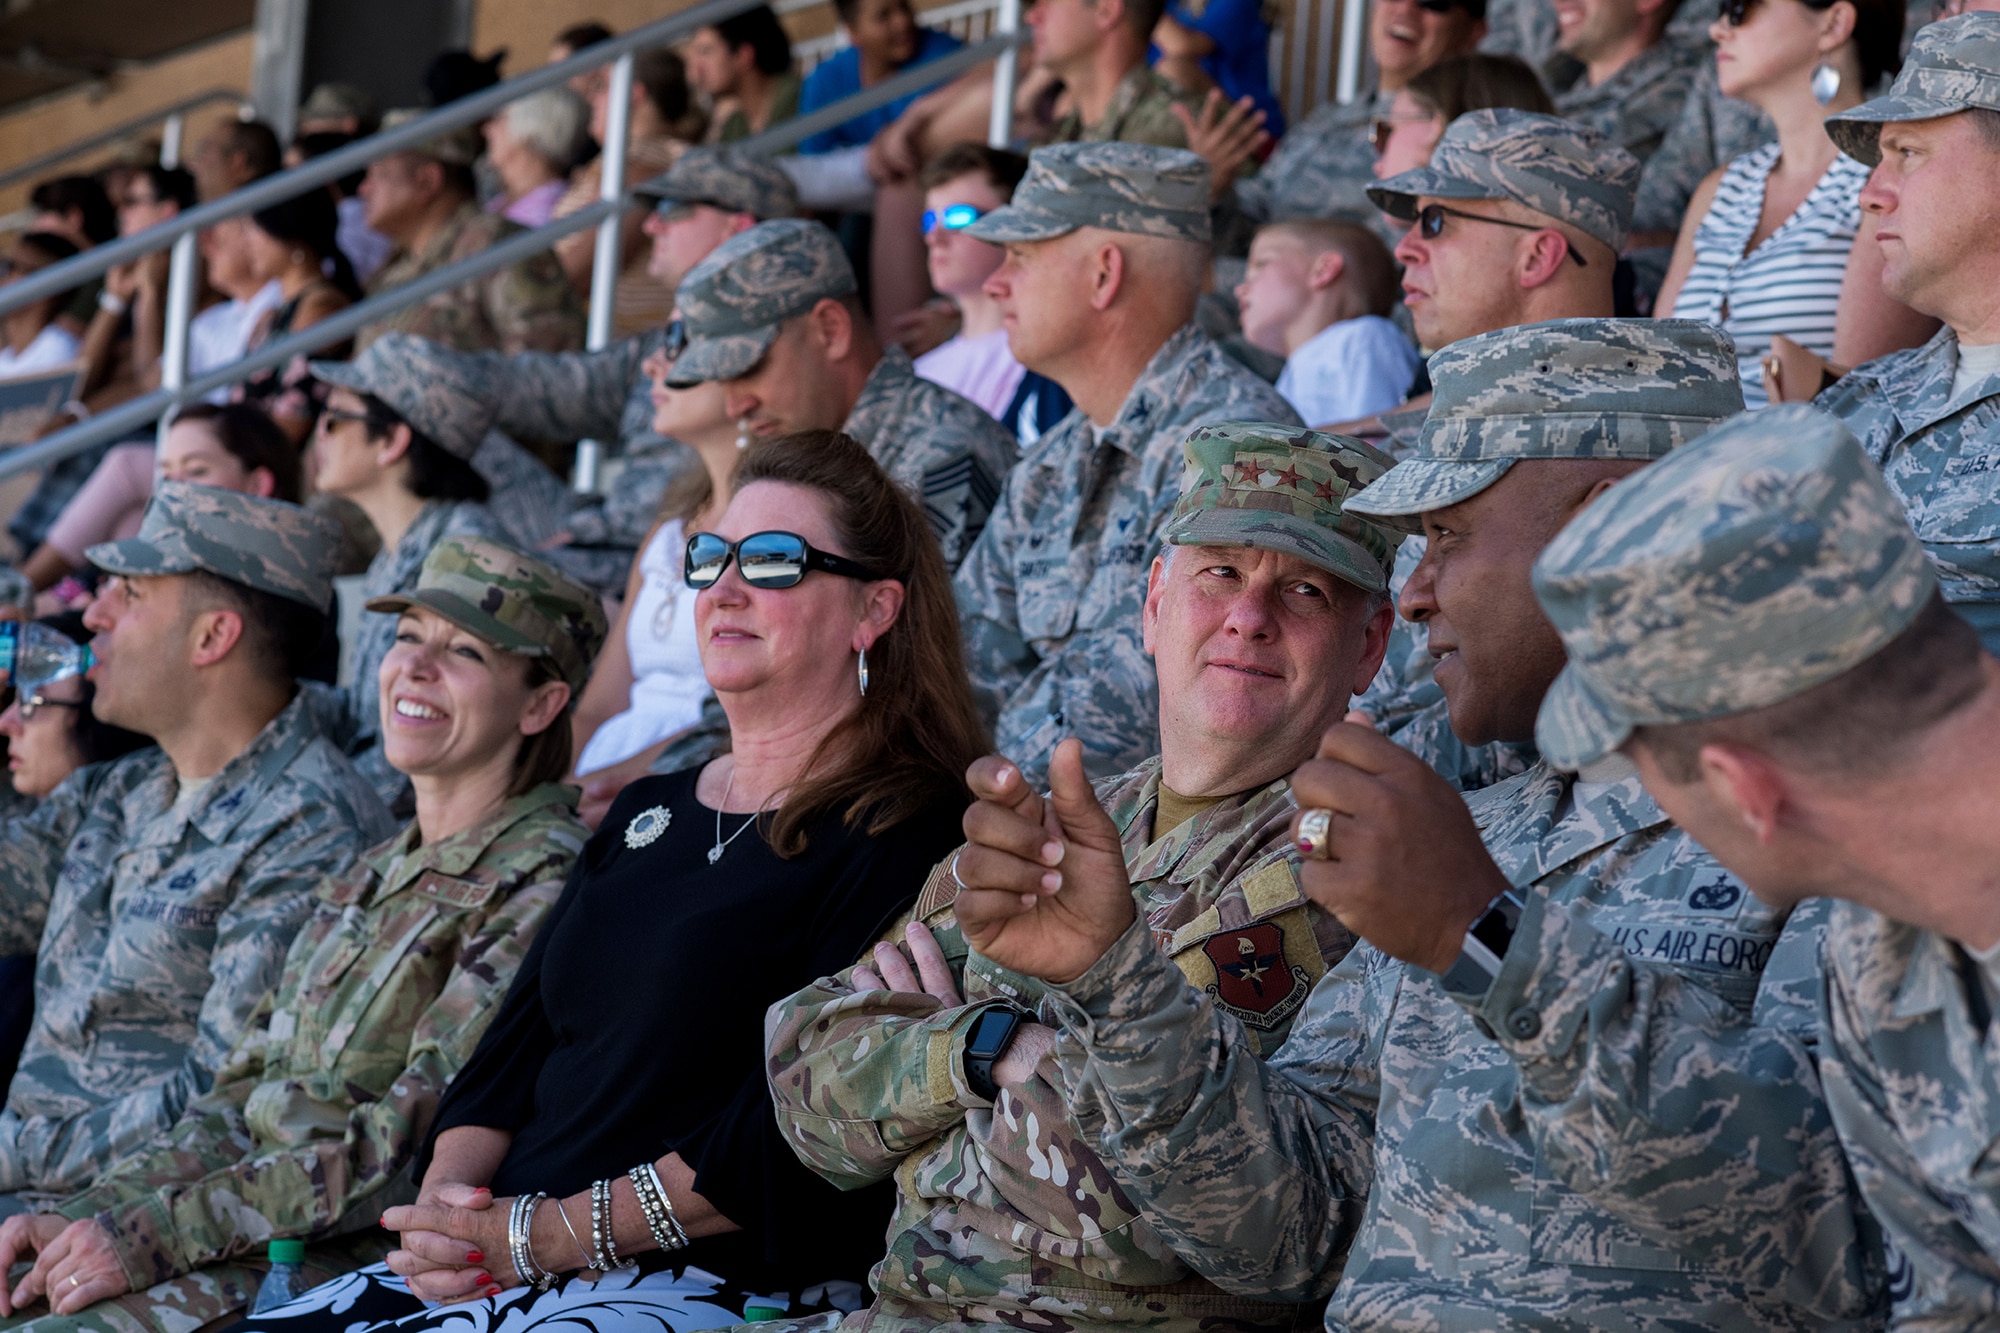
{"x": 1100, "y": 59}
{"x": 163, "y": 888}
{"x": 311, "y": 1125}
{"x": 1631, "y": 98}
{"x": 1757, "y": 626}
{"x": 1266, "y": 608}
{"x": 1930, "y": 416}
{"x": 1107, "y": 250}
{"x": 774, "y": 315}
{"x": 1396, "y": 1133}
{"x": 422, "y": 199}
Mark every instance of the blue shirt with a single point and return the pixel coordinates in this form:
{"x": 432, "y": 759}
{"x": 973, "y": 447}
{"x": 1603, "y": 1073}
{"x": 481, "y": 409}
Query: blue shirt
{"x": 839, "y": 75}
{"x": 1240, "y": 64}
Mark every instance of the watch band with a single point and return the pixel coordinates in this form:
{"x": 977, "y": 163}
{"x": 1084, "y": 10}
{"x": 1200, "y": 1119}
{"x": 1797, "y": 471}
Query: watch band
{"x": 992, "y": 1033}
{"x": 1485, "y": 947}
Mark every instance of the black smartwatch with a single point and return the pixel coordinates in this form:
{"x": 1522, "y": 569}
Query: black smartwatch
{"x": 1485, "y": 946}
{"x": 992, "y": 1033}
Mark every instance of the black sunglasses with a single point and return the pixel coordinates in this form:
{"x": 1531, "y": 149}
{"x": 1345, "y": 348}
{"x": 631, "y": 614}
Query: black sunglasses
{"x": 1736, "y": 12}
{"x": 1430, "y": 224}
{"x": 677, "y": 338}
{"x": 765, "y": 559}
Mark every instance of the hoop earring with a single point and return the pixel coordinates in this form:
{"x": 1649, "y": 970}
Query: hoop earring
{"x": 1825, "y": 83}
{"x": 861, "y": 670}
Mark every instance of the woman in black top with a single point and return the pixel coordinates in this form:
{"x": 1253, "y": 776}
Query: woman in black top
{"x": 624, "y": 1074}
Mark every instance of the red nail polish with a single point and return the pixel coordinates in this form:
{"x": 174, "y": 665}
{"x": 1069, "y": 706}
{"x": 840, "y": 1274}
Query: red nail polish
{"x": 474, "y": 1257}
{"x": 493, "y": 1291}
{"x": 483, "y": 1279}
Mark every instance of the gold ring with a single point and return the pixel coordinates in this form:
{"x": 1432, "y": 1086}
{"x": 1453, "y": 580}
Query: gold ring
{"x": 1315, "y": 826}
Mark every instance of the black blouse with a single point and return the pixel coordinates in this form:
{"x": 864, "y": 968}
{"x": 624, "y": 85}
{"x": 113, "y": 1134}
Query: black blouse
{"x": 635, "y": 1026}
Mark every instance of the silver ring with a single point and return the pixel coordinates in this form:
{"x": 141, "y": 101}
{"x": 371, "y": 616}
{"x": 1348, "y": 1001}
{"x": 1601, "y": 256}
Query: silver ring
{"x": 74, "y": 1281}
{"x": 963, "y": 887}
{"x": 1315, "y": 826}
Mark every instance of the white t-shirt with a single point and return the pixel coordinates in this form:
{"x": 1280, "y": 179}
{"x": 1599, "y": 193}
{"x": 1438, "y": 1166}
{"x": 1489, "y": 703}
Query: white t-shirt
{"x": 1974, "y": 365}
{"x": 668, "y": 687}
{"x": 54, "y": 346}
{"x": 1349, "y": 369}
{"x": 982, "y": 369}
{"x": 221, "y": 333}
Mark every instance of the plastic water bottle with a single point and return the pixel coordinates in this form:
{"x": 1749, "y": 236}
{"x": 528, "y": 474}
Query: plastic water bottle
{"x": 285, "y": 1279}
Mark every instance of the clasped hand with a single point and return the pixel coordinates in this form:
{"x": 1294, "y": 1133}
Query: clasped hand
{"x": 454, "y": 1243}
{"x": 76, "y": 1263}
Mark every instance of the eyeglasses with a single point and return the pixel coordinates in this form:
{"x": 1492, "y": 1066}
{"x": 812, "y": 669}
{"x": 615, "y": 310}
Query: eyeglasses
{"x": 952, "y": 217}
{"x": 765, "y": 559}
{"x": 1386, "y": 126}
{"x": 331, "y": 418}
{"x": 1430, "y": 224}
{"x": 677, "y": 338}
{"x": 33, "y": 703}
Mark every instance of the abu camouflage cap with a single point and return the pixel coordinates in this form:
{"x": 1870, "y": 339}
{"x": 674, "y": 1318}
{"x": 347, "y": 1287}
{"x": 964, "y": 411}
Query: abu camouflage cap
{"x": 1953, "y": 66}
{"x": 268, "y": 545}
{"x": 1130, "y": 187}
{"x": 733, "y": 302}
{"x": 512, "y": 601}
{"x": 1557, "y": 167}
{"x": 455, "y": 148}
{"x": 724, "y": 179}
{"x": 1567, "y": 388}
{"x": 1284, "y": 489}
{"x": 1765, "y": 558}
{"x": 436, "y": 390}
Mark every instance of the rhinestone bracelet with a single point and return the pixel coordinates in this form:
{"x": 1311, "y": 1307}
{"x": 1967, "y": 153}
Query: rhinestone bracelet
{"x": 658, "y": 1208}
{"x": 603, "y": 1245}
{"x": 520, "y": 1248}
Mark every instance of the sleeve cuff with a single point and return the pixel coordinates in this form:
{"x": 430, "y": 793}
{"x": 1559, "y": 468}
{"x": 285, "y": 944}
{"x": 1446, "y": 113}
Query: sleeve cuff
{"x": 944, "y": 1059}
{"x": 1123, "y": 984}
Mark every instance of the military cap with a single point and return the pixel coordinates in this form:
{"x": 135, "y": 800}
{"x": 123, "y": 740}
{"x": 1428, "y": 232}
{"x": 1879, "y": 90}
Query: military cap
{"x": 338, "y": 101}
{"x": 1135, "y": 187}
{"x": 733, "y": 302}
{"x": 1765, "y": 558}
{"x": 268, "y": 545}
{"x": 1953, "y": 66}
{"x": 1282, "y": 488}
{"x": 725, "y": 179}
{"x": 1557, "y": 167}
{"x": 433, "y": 388}
{"x": 1567, "y": 388}
{"x": 455, "y": 148}
{"x": 511, "y": 600}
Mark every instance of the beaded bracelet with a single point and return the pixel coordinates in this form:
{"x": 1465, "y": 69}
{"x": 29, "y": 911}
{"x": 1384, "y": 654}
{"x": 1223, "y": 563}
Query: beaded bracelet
{"x": 603, "y": 1245}
{"x": 658, "y": 1208}
{"x": 520, "y": 1248}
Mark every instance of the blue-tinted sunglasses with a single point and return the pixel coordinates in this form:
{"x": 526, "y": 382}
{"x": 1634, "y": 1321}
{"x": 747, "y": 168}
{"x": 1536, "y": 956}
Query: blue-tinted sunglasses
{"x": 956, "y": 217}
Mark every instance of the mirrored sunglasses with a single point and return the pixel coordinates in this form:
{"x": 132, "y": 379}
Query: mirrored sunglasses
{"x": 765, "y": 560}
{"x": 955, "y": 217}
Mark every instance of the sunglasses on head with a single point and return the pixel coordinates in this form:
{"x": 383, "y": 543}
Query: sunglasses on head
{"x": 1430, "y": 225}
{"x": 765, "y": 560}
{"x": 953, "y": 217}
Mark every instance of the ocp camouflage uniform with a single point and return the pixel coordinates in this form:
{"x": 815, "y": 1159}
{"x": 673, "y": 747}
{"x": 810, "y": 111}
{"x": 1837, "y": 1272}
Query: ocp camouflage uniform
{"x": 528, "y": 305}
{"x": 1005, "y": 1217}
{"x": 1141, "y": 110}
{"x": 1635, "y": 107}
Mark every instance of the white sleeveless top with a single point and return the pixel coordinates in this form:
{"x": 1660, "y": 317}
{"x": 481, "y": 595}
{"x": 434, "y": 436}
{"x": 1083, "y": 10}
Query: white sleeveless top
{"x": 668, "y": 687}
{"x": 1790, "y": 283}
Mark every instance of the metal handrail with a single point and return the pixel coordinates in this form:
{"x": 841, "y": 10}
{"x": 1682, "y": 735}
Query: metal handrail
{"x": 124, "y": 129}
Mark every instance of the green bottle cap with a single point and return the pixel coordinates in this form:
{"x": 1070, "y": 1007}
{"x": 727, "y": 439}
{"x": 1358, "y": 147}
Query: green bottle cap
{"x": 755, "y": 1313}
{"x": 288, "y": 1251}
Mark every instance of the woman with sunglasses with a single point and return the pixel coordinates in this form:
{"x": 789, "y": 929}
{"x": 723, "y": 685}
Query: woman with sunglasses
{"x": 1768, "y": 247}
{"x": 50, "y": 729}
{"x": 617, "y": 1111}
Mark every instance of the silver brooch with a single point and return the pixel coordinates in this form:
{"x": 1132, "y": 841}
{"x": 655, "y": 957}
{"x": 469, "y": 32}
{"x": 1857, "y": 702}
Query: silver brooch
{"x": 647, "y": 826}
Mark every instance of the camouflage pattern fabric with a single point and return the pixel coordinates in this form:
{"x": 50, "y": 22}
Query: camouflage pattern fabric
{"x": 1141, "y": 110}
{"x": 1528, "y": 29}
{"x": 1954, "y": 64}
{"x": 1005, "y": 1217}
{"x": 733, "y": 303}
{"x": 1392, "y": 1145}
{"x": 217, "y": 1292}
{"x": 158, "y": 930}
{"x": 1322, "y": 168}
{"x": 527, "y": 306}
{"x": 1938, "y": 455}
{"x": 1558, "y": 168}
{"x": 461, "y": 147}
{"x": 1636, "y": 106}
{"x": 1051, "y": 592}
{"x": 267, "y": 545}
{"x": 511, "y": 600}
{"x": 1130, "y": 187}
{"x": 944, "y": 448}
{"x": 1765, "y": 558}
{"x": 1712, "y": 131}
{"x": 316, "y": 1115}
{"x": 723, "y": 178}
{"x": 435, "y": 392}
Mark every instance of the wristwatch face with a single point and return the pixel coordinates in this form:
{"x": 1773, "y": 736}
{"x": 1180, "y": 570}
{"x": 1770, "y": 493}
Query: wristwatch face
{"x": 990, "y": 1033}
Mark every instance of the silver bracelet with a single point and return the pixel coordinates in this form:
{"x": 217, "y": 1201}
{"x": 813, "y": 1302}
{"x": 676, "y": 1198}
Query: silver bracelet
{"x": 520, "y": 1247}
{"x": 604, "y": 1246}
{"x": 658, "y": 1208}
{"x": 563, "y": 1213}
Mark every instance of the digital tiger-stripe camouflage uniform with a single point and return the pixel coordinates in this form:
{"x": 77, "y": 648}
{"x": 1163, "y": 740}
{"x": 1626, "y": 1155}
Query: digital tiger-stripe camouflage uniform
{"x": 1005, "y": 1216}
{"x": 1403, "y": 1150}
{"x": 159, "y": 925}
{"x": 313, "y": 1121}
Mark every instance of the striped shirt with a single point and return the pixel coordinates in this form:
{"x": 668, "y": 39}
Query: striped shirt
{"x": 1790, "y": 284}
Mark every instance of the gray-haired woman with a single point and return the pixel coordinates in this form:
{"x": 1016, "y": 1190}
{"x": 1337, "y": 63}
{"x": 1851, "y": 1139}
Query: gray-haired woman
{"x": 532, "y": 145}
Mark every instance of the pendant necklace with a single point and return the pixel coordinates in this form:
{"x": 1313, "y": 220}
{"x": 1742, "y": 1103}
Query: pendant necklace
{"x": 715, "y": 852}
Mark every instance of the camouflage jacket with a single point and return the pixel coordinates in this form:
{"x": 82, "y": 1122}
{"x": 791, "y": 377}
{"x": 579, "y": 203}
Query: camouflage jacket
{"x": 1141, "y": 111}
{"x": 1005, "y": 1218}
{"x": 1908, "y": 1066}
{"x": 1711, "y": 130}
{"x": 159, "y": 932}
{"x": 528, "y": 305}
{"x": 1636, "y": 106}
{"x": 944, "y": 447}
{"x": 1393, "y": 1133}
{"x": 314, "y": 1118}
{"x": 1051, "y": 592}
{"x": 1322, "y": 168}
{"x": 1939, "y": 456}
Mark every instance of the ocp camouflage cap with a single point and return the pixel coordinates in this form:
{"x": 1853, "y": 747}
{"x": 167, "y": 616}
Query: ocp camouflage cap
{"x": 733, "y": 302}
{"x": 268, "y": 545}
{"x": 455, "y": 148}
{"x": 1953, "y": 66}
{"x": 1557, "y": 167}
{"x": 1283, "y": 488}
{"x": 725, "y": 179}
{"x": 1130, "y": 187}
{"x": 1567, "y": 388}
{"x": 438, "y": 391}
{"x": 337, "y": 101}
{"x": 1765, "y": 558}
{"x": 511, "y": 600}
